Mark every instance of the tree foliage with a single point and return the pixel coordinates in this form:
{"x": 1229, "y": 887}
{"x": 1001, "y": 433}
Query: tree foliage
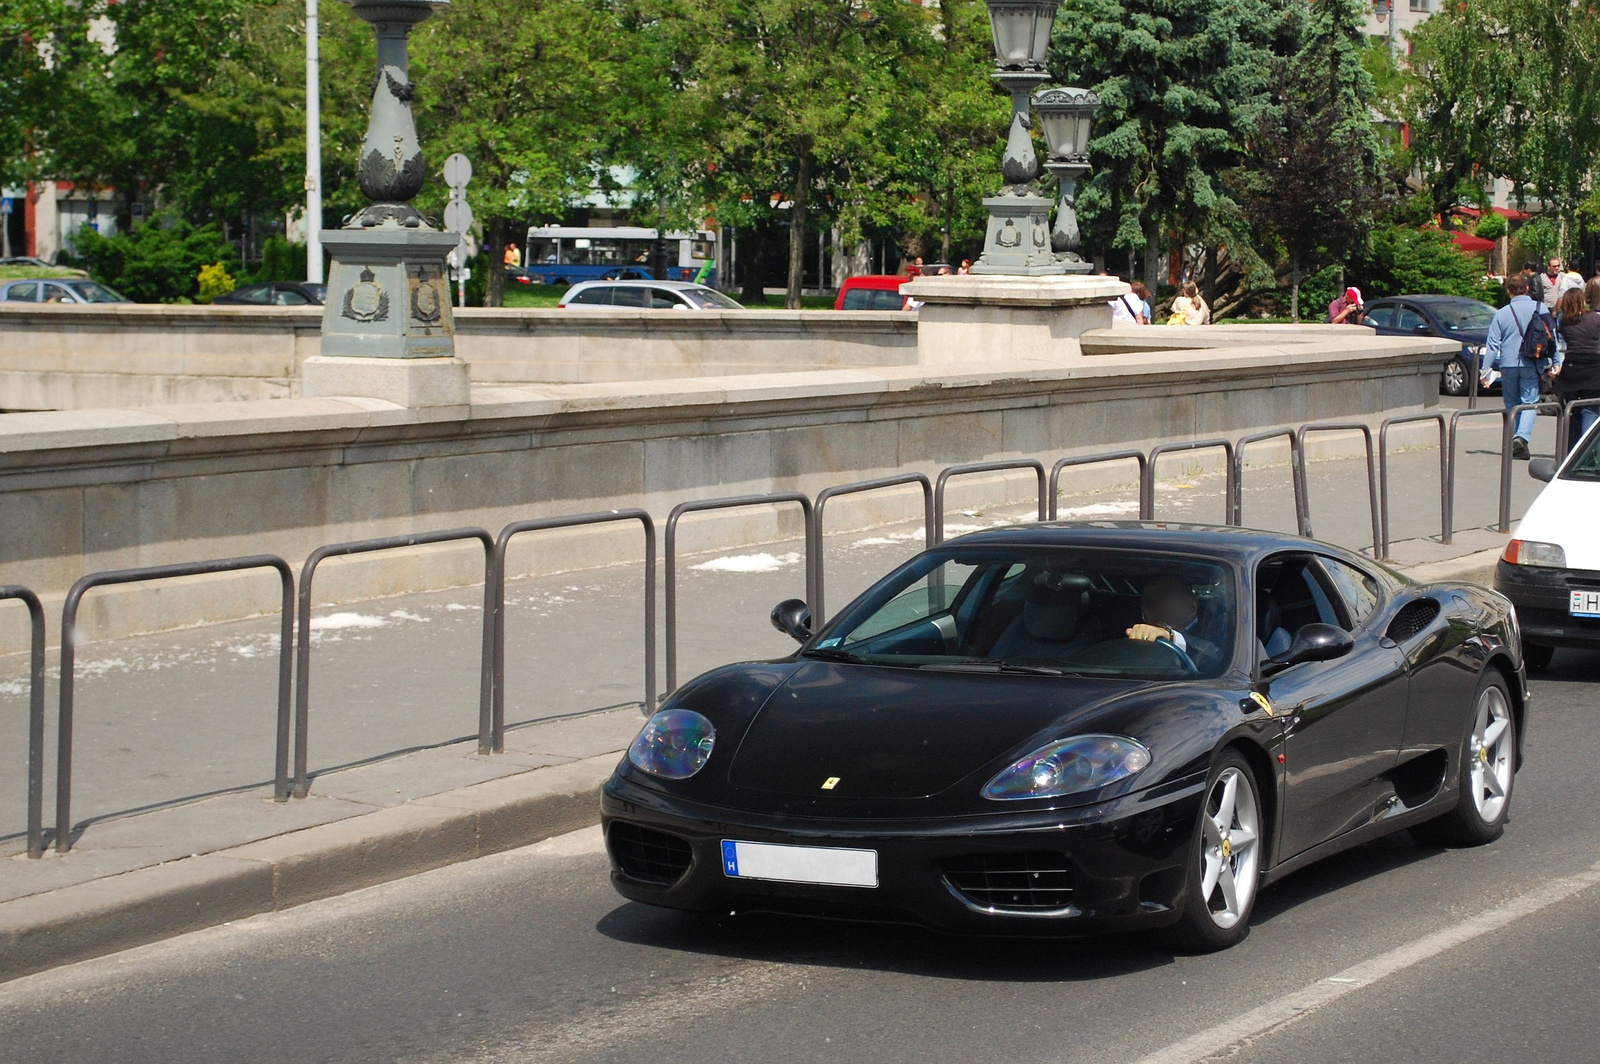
{"x": 152, "y": 263}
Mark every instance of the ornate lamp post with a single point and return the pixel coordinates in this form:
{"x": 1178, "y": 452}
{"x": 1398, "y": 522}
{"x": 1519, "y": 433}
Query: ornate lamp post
{"x": 1018, "y": 236}
{"x": 1067, "y": 116}
{"x": 388, "y": 292}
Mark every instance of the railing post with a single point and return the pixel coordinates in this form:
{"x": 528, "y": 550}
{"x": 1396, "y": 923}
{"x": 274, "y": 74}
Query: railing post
{"x": 966, "y": 468}
{"x": 670, "y": 540}
{"x": 35, "y": 714}
{"x": 1296, "y": 472}
{"x": 814, "y": 550}
{"x": 497, "y": 721}
{"x": 1147, "y": 505}
{"x": 1093, "y": 459}
{"x": 1444, "y": 472}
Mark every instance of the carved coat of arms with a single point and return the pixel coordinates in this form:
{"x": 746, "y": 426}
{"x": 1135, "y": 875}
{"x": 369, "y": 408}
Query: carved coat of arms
{"x": 366, "y": 300}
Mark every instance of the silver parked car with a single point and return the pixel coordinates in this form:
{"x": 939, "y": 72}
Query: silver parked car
{"x": 645, "y": 295}
{"x": 59, "y": 290}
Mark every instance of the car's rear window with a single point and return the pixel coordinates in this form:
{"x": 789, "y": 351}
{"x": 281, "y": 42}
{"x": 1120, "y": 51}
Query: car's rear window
{"x": 711, "y": 299}
{"x": 873, "y": 299}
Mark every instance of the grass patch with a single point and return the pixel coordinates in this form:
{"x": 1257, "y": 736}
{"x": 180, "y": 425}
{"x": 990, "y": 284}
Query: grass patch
{"x": 29, "y": 273}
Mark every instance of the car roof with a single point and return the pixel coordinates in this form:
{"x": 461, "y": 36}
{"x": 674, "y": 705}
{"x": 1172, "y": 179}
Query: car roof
{"x": 882, "y": 281}
{"x": 676, "y": 286}
{"x": 1239, "y": 545}
{"x": 1431, "y": 300}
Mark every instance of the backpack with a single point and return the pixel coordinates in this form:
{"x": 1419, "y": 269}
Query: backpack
{"x": 1538, "y": 336}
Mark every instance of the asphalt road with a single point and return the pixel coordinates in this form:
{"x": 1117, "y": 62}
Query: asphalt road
{"x": 1391, "y": 951}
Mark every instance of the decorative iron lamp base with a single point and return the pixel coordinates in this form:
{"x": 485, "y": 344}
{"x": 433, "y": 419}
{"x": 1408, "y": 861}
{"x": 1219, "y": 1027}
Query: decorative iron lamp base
{"x": 1018, "y": 239}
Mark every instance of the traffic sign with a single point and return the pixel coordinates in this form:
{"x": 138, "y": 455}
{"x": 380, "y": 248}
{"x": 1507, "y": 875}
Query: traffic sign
{"x": 5, "y": 205}
{"x": 457, "y": 216}
{"x": 457, "y": 171}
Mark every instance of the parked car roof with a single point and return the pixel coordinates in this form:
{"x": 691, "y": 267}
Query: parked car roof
{"x": 275, "y": 294}
{"x": 647, "y": 295}
{"x": 76, "y": 290}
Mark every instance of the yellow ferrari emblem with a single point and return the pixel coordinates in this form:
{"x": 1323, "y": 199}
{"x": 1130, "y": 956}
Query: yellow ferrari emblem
{"x": 1227, "y": 848}
{"x": 830, "y": 783}
{"x": 1263, "y": 701}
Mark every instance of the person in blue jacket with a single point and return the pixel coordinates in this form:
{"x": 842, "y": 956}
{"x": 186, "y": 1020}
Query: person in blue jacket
{"x": 1519, "y": 379}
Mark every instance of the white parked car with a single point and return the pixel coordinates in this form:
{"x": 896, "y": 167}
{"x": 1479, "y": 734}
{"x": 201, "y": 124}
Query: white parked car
{"x": 645, "y": 295}
{"x": 1551, "y": 568}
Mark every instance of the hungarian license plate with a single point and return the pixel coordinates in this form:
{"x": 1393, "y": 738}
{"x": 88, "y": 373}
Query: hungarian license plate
{"x": 825, "y": 865}
{"x": 1585, "y": 603}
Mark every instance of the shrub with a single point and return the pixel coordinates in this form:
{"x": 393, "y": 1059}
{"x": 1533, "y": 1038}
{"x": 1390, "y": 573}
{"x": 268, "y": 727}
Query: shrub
{"x": 281, "y": 261}
{"x": 152, "y": 264}
{"x": 1491, "y": 226}
{"x": 1401, "y": 259}
{"x": 215, "y": 280}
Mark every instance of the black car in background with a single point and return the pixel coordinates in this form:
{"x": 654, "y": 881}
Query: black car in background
{"x": 1064, "y": 729}
{"x": 1449, "y": 317}
{"x": 275, "y": 294}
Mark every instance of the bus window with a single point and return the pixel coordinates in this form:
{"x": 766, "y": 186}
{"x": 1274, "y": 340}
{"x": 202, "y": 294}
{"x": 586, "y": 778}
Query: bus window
{"x": 703, "y": 250}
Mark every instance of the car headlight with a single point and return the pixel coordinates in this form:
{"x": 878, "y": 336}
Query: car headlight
{"x": 1067, "y": 766}
{"x": 1532, "y": 552}
{"x": 674, "y": 744}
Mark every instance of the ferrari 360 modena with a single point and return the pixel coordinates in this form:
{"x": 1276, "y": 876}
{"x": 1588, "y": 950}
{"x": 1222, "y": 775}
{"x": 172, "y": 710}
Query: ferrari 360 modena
{"x": 1063, "y": 729}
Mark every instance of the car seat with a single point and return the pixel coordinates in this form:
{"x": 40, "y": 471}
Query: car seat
{"x": 1051, "y": 623}
{"x": 1275, "y": 638}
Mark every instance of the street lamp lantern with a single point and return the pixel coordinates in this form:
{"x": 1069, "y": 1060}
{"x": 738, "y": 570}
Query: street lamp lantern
{"x": 1067, "y": 116}
{"x": 1022, "y": 32}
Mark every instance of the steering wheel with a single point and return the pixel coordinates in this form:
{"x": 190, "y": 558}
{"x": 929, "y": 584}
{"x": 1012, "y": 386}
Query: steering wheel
{"x": 1185, "y": 663}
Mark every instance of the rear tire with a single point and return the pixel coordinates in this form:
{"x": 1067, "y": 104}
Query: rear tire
{"x": 1454, "y": 380}
{"x": 1536, "y": 656}
{"x": 1487, "y": 771}
{"x": 1224, "y": 861}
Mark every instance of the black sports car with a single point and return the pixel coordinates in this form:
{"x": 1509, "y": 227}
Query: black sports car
{"x": 1068, "y": 728}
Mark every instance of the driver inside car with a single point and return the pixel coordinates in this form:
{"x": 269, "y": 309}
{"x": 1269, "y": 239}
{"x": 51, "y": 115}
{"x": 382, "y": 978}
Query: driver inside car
{"x": 1171, "y": 612}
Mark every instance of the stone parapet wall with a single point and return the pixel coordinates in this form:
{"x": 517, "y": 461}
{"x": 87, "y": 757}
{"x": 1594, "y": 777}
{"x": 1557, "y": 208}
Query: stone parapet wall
{"x": 84, "y": 491}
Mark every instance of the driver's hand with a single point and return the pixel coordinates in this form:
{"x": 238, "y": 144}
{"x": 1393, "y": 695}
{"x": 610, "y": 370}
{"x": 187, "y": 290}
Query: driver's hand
{"x": 1149, "y": 633}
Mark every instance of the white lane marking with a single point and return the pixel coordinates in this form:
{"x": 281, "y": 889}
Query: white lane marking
{"x": 1298, "y": 1004}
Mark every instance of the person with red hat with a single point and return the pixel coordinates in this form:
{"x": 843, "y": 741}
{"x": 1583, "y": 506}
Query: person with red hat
{"x": 1346, "y": 309}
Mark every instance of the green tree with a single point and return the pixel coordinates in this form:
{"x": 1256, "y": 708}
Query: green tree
{"x": 155, "y": 263}
{"x": 1180, "y": 83}
{"x": 795, "y": 97}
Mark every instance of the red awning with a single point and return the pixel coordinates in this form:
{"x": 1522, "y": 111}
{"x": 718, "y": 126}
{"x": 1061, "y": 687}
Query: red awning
{"x": 1467, "y": 242}
{"x": 1509, "y": 213}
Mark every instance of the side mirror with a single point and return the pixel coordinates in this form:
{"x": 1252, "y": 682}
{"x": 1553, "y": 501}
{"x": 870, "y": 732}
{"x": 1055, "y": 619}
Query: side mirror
{"x": 793, "y": 618}
{"x": 1542, "y": 469}
{"x": 1314, "y": 642}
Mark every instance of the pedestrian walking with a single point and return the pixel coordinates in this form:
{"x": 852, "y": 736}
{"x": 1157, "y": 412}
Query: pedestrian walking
{"x": 1577, "y": 373}
{"x": 1550, "y": 287}
{"x": 1516, "y": 345}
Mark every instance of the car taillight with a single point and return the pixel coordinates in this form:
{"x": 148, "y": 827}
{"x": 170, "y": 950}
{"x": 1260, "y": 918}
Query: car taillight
{"x": 561, "y": 306}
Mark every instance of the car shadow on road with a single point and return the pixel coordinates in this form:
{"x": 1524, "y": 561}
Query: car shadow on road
{"x": 1341, "y": 870}
{"x": 900, "y": 948}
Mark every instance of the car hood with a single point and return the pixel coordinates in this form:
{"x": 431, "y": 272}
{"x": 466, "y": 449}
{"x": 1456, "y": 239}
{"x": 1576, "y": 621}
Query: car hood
{"x": 1566, "y": 513}
{"x": 900, "y": 732}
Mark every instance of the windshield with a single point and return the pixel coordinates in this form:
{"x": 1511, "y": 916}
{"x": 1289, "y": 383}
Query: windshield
{"x": 1466, "y": 316}
{"x": 710, "y": 299}
{"x": 1087, "y": 612}
{"x": 96, "y": 293}
{"x": 1585, "y": 465}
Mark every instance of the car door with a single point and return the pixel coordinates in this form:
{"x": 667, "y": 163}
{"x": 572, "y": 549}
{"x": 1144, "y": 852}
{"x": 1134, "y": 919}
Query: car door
{"x": 23, "y": 292}
{"x": 1381, "y": 317}
{"x": 1344, "y": 719}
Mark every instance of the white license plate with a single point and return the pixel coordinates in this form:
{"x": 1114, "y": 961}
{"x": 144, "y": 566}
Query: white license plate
{"x": 825, "y": 865}
{"x": 1585, "y": 604}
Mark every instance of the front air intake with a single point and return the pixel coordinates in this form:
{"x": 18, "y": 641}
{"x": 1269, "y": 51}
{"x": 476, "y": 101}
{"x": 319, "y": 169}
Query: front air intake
{"x": 1036, "y": 881}
{"x": 647, "y": 855}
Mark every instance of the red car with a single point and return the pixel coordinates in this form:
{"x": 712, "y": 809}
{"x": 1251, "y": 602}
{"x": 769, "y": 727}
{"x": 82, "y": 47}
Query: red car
{"x": 872, "y": 292}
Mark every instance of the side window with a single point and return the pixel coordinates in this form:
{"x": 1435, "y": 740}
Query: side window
{"x": 1290, "y": 594}
{"x": 288, "y": 297}
{"x": 1359, "y": 591}
{"x": 1408, "y": 318}
{"x": 630, "y": 297}
{"x": 255, "y": 295}
{"x": 660, "y": 300}
{"x": 23, "y": 293}
{"x": 58, "y": 293}
{"x": 592, "y": 297}
{"x": 858, "y": 299}
{"x": 1382, "y": 316}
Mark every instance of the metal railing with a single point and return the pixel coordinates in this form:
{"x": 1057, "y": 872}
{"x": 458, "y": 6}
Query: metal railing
{"x": 497, "y": 724}
{"x": 1147, "y": 489}
{"x": 968, "y": 468}
{"x": 815, "y": 551}
{"x": 1564, "y": 426}
{"x": 1095, "y": 459}
{"x": 1506, "y": 433}
{"x": 1296, "y": 475}
{"x": 35, "y": 713}
{"x": 302, "y": 693}
{"x": 69, "y": 648}
{"x": 1383, "y": 472}
{"x": 1372, "y": 473}
{"x": 1454, "y": 462}
{"x": 670, "y": 541}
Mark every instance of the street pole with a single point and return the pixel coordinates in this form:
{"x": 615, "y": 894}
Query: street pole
{"x": 313, "y": 150}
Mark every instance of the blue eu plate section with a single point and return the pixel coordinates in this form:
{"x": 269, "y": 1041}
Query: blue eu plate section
{"x": 730, "y": 857}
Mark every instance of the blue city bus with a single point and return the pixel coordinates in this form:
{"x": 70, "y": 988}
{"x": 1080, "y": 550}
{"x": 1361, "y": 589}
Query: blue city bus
{"x": 563, "y": 255}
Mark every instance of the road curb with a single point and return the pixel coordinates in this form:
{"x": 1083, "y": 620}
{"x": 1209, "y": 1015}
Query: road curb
{"x": 1472, "y": 569}
{"x": 146, "y": 905}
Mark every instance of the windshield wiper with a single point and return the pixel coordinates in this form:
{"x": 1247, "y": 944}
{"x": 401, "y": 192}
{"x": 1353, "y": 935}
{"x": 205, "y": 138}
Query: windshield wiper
{"x": 995, "y": 666}
{"x": 835, "y": 654}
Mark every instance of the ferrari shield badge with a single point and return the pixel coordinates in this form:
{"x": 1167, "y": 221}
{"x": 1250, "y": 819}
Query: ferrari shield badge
{"x": 830, "y": 783}
{"x": 1263, "y": 701}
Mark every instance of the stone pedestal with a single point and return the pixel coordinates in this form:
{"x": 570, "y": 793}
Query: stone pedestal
{"x": 979, "y": 320}
{"x": 388, "y": 293}
{"x": 409, "y": 382}
{"x": 1018, "y": 240}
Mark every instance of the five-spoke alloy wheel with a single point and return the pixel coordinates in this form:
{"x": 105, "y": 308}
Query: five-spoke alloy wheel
{"x": 1224, "y": 870}
{"x": 1488, "y": 766}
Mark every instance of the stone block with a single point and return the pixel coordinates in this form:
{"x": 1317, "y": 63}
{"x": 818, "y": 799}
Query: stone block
{"x": 407, "y": 382}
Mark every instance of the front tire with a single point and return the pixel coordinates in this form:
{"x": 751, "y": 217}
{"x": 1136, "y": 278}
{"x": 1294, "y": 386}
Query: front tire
{"x": 1454, "y": 380}
{"x": 1224, "y": 861}
{"x": 1488, "y": 769}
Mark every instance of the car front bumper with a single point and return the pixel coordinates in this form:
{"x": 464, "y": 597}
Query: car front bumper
{"x": 1541, "y": 596}
{"x": 1126, "y": 861}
